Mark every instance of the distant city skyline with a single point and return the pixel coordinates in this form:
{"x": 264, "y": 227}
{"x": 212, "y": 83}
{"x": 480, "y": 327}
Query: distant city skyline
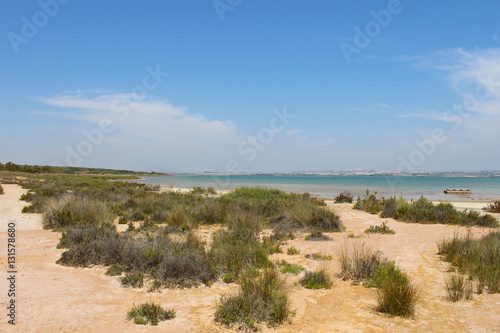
{"x": 251, "y": 86}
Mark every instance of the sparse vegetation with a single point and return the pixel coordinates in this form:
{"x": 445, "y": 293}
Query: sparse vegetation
{"x": 493, "y": 207}
{"x": 397, "y": 297}
{"x": 358, "y": 262}
{"x": 261, "y": 299}
{"x": 316, "y": 280}
{"x": 1, "y": 189}
{"x": 114, "y": 270}
{"x": 343, "y": 197}
{"x": 150, "y": 313}
{"x": 380, "y": 229}
{"x": 292, "y": 250}
{"x": 318, "y": 256}
{"x": 478, "y": 258}
{"x": 459, "y": 287}
{"x": 422, "y": 211}
{"x": 287, "y": 267}
{"x": 134, "y": 280}
{"x": 317, "y": 236}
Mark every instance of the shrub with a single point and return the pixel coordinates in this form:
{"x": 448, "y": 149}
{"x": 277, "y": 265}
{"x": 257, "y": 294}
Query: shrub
{"x": 292, "y": 250}
{"x": 370, "y": 203}
{"x": 150, "y": 313}
{"x": 493, "y": 208}
{"x": 234, "y": 249}
{"x": 304, "y": 214}
{"x": 134, "y": 280}
{"x": 479, "y": 258}
{"x": 380, "y": 229}
{"x": 1, "y": 190}
{"x": 317, "y": 236}
{"x": 75, "y": 210}
{"x": 359, "y": 262}
{"x": 318, "y": 256}
{"x": 397, "y": 297}
{"x": 123, "y": 220}
{"x": 286, "y": 267}
{"x": 458, "y": 287}
{"x": 343, "y": 197}
{"x": 316, "y": 280}
{"x": 387, "y": 272}
{"x": 114, "y": 270}
{"x": 262, "y": 299}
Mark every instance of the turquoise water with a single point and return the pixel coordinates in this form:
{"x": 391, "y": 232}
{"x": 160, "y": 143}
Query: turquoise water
{"x": 330, "y": 186}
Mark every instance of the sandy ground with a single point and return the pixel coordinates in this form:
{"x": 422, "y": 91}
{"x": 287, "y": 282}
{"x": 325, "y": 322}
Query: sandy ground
{"x": 53, "y": 298}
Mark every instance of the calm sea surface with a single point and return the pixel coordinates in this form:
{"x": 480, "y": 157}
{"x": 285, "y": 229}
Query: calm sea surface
{"x": 330, "y": 186}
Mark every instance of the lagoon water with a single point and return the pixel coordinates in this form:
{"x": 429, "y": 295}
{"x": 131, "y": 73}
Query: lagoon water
{"x": 484, "y": 188}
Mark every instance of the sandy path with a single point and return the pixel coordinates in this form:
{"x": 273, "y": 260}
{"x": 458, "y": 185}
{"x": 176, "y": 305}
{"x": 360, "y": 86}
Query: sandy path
{"x": 53, "y": 298}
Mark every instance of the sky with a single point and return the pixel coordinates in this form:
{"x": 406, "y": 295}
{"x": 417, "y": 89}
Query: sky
{"x": 251, "y": 86}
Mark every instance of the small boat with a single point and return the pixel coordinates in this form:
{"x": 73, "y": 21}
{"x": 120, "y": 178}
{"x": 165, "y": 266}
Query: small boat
{"x": 455, "y": 191}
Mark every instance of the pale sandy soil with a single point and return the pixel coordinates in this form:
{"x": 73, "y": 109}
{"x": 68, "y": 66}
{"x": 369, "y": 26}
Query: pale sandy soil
{"x": 53, "y": 298}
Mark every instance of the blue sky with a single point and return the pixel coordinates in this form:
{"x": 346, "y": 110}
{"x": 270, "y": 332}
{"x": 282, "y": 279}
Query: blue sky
{"x": 233, "y": 85}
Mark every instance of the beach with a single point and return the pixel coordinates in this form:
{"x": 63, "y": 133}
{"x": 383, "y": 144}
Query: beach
{"x": 54, "y": 298}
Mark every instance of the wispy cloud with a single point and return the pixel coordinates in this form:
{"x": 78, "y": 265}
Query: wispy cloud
{"x": 431, "y": 115}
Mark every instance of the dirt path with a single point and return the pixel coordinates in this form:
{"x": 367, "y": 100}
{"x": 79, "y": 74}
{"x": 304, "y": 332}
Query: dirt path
{"x": 53, "y": 298}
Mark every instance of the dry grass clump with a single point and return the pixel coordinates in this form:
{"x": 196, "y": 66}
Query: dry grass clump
{"x": 459, "y": 287}
{"x": 318, "y": 256}
{"x": 150, "y": 313}
{"x": 397, "y": 297}
{"x": 75, "y": 210}
{"x": 1, "y": 190}
{"x": 292, "y": 250}
{"x": 260, "y": 300}
{"x": 358, "y": 262}
{"x": 287, "y": 267}
{"x": 478, "y": 258}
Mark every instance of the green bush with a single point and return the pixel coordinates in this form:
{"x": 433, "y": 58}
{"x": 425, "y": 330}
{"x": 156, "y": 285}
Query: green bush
{"x": 286, "y": 267}
{"x": 316, "y": 280}
{"x": 370, "y": 203}
{"x": 387, "y": 272}
{"x": 398, "y": 297}
{"x": 262, "y": 299}
{"x": 114, "y": 270}
{"x": 478, "y": 258}
{"x": 134, "y": 280}
{"x": 150, "y": 313}
{"x": 380, "y": 229}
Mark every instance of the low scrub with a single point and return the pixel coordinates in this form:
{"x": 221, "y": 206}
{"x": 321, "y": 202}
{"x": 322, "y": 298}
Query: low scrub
{"x": 292, "y": 250}
{"x": 307, "y": 215}
{"x": 150, "y": 313}
{"x": 387, "y": 272}
{"x": 134, "y": 280}
{"x": 316, "y": 280}
{"x": 358, "y": 262}
{"x": 343, "y": 197}
{"x": 75, "y": 210}
{"x": 459, "y": 287}
{"x": 318, "y": 256}
{"x": 478, "y": 258}
{"x": 369, "y": 203}
{"x": 493, "y": 208}
{"x": 260, "y": 300}
{"x": 380, "y": 229}
{"x": 317, "y": 236}
{"x": 287, "y": 267}
{"x": 398, "y": 297}
{"x": 1, "y": 190}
